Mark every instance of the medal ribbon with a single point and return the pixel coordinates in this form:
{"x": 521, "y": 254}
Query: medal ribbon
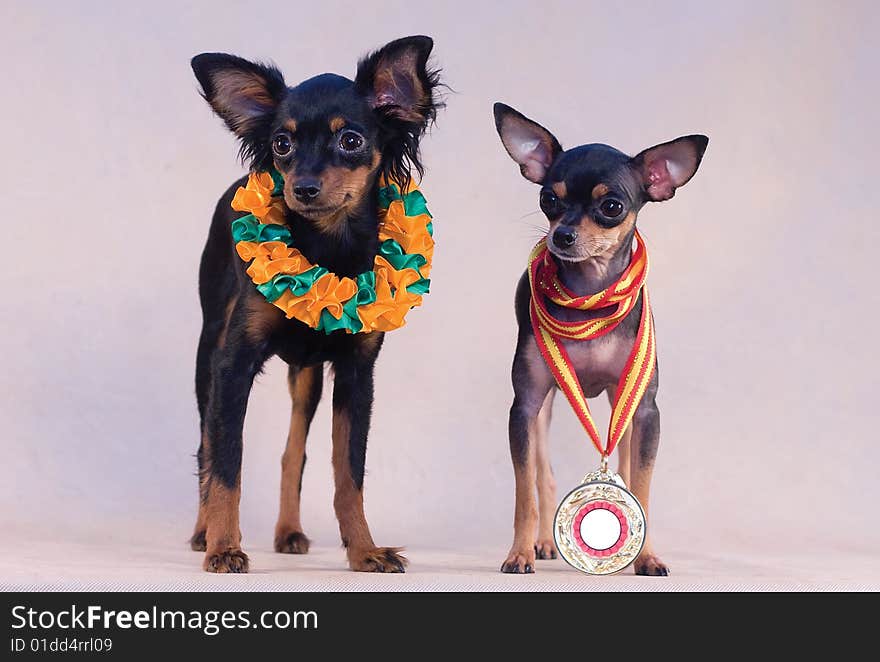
{"x": 618, "y": 299}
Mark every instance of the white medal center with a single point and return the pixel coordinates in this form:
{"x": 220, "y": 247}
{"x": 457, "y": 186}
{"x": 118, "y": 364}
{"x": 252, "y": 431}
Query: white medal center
{"x": 600, "y": 529}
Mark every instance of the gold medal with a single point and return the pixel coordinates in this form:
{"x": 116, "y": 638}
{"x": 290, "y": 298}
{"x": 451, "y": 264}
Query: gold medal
{"x": 600, "y": 525}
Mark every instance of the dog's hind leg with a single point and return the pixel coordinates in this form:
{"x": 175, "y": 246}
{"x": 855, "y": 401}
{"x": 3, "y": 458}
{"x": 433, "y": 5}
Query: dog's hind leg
{"x": 545, "y": 547}
{"x": 305, "y": 385}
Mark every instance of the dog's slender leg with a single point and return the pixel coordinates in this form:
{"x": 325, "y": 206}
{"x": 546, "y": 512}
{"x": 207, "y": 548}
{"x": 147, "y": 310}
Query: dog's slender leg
{"x": 645, "y": 441}
{"x": 352, "y": 404}
{"x": 532, "y": 381}
{"x": 305, "y": 385}
{"x": 623, "y": 447}
{"x": 197, "y": 542}
{"x": 233, "y": 372}
{"x": 211, "y": 339}
{"x": 545, "y": 547}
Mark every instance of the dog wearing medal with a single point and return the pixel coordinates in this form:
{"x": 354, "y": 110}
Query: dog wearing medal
{"x": 324, "y": 247}
{"x": 585, "y": 328}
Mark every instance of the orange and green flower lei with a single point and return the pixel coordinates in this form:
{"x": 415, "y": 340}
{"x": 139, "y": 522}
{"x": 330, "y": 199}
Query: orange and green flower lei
{"x": 376, "y": 300}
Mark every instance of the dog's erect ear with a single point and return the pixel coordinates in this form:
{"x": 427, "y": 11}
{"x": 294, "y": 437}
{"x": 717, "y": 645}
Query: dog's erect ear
{"x": 401, "y": 89}
{"x": 529, "y": 144}
{"x": 243, "y": 93}
{"x": 665, "y": 167}
{"x": 397, "y": 82}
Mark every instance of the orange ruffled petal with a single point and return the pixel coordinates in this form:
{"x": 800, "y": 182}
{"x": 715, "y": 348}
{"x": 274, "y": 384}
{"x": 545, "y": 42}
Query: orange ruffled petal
{"x": 263, "y": 270}
{"x": 256, "y": 196}
{"x": 328, "y": 292}
{"x": 276, "y": 213}
{"x": 271, "y": 258}
{"x": 299, "y": 306}
{"x": 394, "y": 316}
{"x": 388, "y": 311}
{"x": 397, "y": 279}
{"x": 248, "y": 250}
{"x": 333, "y": 291}
{"x": 371, "y": 314}
{"x": 408, "y": 231}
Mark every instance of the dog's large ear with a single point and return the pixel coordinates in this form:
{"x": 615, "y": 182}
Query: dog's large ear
{"x": 532, "y": 146}
{"x": 245, "y": 94}
{"x": 397, "y": 82}
{"x": 402, "y": 90}
{"x": 665, "y": 167}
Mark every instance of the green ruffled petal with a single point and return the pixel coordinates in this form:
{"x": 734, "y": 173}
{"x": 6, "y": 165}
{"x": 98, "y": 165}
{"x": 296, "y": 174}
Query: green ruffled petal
{"x": 421, "y": 286}
{"x": 393, "y": 252}
{"x": 348, "y": 322}
{"x": 298, "y": 284}
{"x": 387, "y": 194}
{"x": 279, "y": 182}
{"x": 414, "y": 202}
{"x": 366, "y": 284}
{"x": 247, "y": 228}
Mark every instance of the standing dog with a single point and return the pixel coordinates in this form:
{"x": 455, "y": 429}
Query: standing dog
{"x": 331, "y": 139}
{"x": 591, "y": 196}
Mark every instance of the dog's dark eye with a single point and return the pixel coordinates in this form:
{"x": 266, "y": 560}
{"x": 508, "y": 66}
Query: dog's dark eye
{"x": 351, "y": 141}
{"x": 281, "y": 145}
{"x": 549, "y": 202}
{"x": 611, "y": 208}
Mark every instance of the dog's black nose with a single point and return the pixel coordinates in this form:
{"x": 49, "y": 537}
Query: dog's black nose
{"x": 307, "y": 189}
{"x": 565, "y": 237}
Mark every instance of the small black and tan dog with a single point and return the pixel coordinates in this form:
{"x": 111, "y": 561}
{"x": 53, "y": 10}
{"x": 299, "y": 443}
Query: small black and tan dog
{"x": 591, "y": 195}
{"x": 331, "y": 139}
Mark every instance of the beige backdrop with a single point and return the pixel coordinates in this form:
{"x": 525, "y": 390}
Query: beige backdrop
{"x": 763, "y": 280}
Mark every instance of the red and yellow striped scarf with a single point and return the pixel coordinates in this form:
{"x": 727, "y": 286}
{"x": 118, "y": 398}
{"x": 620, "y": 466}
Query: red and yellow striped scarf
{"x": 617, "y": 301}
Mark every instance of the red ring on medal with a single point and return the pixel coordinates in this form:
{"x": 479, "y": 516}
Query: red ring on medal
{"x": 614, "y": 510}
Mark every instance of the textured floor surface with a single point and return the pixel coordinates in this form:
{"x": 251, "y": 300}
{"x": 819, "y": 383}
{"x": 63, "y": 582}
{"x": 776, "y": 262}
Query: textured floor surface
{"x": 117, "y": 566}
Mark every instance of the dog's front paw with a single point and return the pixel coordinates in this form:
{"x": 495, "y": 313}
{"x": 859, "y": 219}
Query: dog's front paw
{"x": 519, "y": 562}
{"x": 231, "y": 560}
{"x": 545, "y": 550}
{"x": 197, "y": 543}
{"x": 294, "y": 542}
{"x": 651, "y": 565}
{"x": 378, "y": 559}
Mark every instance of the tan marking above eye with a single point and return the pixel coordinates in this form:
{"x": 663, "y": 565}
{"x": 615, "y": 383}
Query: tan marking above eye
{"x": 560, "y": 189}
{"x": 599, "y": 190}
{"x": 336, "y": 123}
{"x": 290, "y": 125}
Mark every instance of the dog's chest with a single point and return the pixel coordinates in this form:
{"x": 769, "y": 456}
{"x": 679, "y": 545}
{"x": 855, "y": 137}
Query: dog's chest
{"x": 599, "y": 363}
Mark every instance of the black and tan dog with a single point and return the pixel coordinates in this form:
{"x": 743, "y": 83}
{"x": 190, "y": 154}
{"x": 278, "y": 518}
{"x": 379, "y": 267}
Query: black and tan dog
{"x": 591, "y": 196}
{"x": 331, "y": 139}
